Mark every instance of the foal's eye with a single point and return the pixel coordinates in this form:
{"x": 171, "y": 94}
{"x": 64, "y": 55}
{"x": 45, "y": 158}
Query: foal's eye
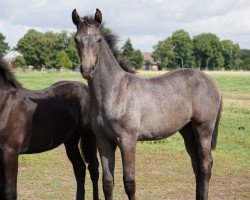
{"x": 99, "y": 40}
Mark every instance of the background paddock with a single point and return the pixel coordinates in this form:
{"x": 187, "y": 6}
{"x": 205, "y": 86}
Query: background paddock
{"x": 231, "y": 170}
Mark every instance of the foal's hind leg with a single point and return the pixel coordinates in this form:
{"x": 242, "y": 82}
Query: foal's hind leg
{"x": 192, "y": 149}
{"x": 89, "y": 148}
{"x": 197, "y": 140}
{"x": 203, "y": 133}
{"x": 79, "y": 166}
{"x": 94, "y": 174}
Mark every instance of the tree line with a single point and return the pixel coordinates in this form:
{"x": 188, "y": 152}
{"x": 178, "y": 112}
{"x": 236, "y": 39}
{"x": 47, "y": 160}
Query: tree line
{"x": 203, "y": 51}
{"x": 57, "y": 50}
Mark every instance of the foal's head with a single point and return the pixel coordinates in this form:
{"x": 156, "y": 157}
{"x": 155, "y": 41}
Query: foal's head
{"x": 88, "y": 41}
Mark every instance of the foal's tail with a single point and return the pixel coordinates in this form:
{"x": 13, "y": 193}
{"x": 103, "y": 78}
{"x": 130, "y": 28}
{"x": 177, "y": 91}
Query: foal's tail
{"x": 215, "y": 132}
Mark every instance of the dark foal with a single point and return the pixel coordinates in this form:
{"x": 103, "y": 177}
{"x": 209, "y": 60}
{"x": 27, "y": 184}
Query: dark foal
{"x": 34, "y": 122}
{"x": 126, "y": 108}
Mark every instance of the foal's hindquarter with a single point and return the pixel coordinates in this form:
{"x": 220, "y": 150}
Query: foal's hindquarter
{"x": 128, "y": 108}
{"x": 34, "y": 122}
{"x": 164, "y": 105}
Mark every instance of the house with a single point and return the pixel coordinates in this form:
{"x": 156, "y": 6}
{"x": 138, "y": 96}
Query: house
{"x": 11, "y": 56}
{"x": 148, "y": 62}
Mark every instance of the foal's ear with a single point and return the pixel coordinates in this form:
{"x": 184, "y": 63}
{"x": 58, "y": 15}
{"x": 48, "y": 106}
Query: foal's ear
{"x": 98, "y": 16}
{"x": 75, "y": 17}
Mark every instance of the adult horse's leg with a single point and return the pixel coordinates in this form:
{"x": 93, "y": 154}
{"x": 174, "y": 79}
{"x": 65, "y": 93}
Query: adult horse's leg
{"x": 192, "y": 149}
{"x": 79, "y": 166}
{"x": 89, "y": 150}
{"x": 107, "y": 154}
{"x": 10, "y": 166}
{"x": 203, "y": 135}
{"x": 128, "y": 148}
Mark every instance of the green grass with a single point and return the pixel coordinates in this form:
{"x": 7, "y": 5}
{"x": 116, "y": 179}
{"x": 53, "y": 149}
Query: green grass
{"x": 163, "y": 168}
{"x": 39, "y": 80}
{"x": 238, "y": 84}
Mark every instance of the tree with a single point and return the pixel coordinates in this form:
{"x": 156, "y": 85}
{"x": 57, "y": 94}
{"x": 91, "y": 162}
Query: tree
{"x": 72, "y": 52}
{"x": 127, "y": 49}
{"x": 55, "y": 42}
{"x": 19, "y": 61}
{"x": 4, "y": 47}
{"x": 163, "y": 53}
{"x": 137, "y": 59}
{"x": 237, "y": 61}
{"x": 62, "y": 60}
{"x": 34, "y": 48}
{"x": 183, "y": 48}
{"x": 231, "y": 53}
{"x": 133, "y": 56}
{"x": 50, "y": 40}
{"x": 245, "y": 57}
{"x": 208, "y": 51}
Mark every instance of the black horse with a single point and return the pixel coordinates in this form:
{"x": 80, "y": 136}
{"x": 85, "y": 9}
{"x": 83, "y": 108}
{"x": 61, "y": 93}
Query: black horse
{"x": 34, "y": 122}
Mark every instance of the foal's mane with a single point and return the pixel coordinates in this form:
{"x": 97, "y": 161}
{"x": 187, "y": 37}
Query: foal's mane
{"x": 111, "y": 40}
{"x": 7, "y": 78}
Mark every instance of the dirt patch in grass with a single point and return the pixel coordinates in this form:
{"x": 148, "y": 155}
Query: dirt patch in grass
{"x": 160, "y": 174}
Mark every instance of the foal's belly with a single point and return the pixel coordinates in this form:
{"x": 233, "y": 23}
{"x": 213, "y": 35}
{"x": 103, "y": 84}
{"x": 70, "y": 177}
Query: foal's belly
{"x": 161, "y": 126}
{"x": 49, "y": 141}
{"x": 50, "y": 132}
{"x": 149, "y": 135}
{"x": 154, "y": 134}
{"x": 163, "y": 118}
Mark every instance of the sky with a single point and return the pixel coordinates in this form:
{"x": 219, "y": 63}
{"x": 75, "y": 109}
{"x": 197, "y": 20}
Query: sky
{"x": 145, "y": 22}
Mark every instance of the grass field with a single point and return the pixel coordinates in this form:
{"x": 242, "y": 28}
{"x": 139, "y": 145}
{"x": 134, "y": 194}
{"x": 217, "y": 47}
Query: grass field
{"x": 163, "y": 168}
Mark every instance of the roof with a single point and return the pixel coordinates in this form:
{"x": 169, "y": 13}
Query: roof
{"x": 147, "y": 56}
{"x": 11, "y": 56}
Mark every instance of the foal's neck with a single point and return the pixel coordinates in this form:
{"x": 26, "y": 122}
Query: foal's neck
{"x": 107, "y": 76}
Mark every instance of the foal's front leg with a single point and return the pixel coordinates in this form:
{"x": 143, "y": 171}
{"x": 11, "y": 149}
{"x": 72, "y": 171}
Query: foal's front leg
{"x": 128, "y": 147}
{"x": 10, "y": 166}
{"x": 107, "y": 154}
{"x": 2, "y": 178}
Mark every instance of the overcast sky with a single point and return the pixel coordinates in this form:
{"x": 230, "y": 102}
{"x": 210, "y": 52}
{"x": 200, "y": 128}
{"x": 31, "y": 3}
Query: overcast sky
{"x": 145, "y": 22}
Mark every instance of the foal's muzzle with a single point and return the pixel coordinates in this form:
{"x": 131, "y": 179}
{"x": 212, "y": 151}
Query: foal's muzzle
{"x": 87, "y": 72}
